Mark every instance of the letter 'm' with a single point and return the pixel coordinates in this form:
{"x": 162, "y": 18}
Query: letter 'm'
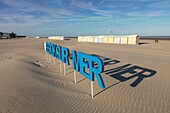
{"x": 75, "y": 61}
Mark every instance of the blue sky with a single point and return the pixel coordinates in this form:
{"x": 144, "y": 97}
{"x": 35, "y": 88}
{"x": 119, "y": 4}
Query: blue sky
{"x": 85, "y": 17}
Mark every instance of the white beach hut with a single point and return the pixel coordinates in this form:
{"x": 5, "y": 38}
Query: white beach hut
{"x": 111, "y": 39}
{"x": 80, "y": 39}
{"x": 96, "y": 39}
{"x": 124, "y": 40}
{"x": 117, "y": 40}
{"x": 56, "y": 37}
{"x": 100, "y": 38}
{"x": 133, "y": 39}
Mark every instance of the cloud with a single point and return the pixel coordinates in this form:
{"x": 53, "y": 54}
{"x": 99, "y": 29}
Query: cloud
{"x": 88, "y": 6}
{"x": 43, "y": 12}
{"x": 20, "y": 11}
{"x": 63, "y": 13}
{"x": 33, "y": 13}
{"x": 146, "y": 14}
{"x": 161, "y": 4}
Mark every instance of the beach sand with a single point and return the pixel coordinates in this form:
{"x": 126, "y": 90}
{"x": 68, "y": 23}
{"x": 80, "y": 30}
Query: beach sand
{"x": 137, "y": 78}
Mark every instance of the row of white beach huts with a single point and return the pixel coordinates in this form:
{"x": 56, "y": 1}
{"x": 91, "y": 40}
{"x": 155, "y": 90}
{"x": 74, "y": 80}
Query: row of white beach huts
{"x": 124, "y": 39}
{"x": 128, "y": 39}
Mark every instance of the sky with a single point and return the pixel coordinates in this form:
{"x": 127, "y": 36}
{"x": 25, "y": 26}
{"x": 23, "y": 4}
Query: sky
{"x": 85, "y": 17}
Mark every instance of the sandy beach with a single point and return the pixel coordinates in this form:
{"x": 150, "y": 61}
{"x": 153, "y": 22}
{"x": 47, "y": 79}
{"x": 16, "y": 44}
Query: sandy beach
{"x": 136, "y": 78}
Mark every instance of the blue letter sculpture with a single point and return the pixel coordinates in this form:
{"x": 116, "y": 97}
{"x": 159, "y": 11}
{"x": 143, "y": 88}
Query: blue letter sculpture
{"x": 59, "y": 52}
{"x": 81, "y": 61}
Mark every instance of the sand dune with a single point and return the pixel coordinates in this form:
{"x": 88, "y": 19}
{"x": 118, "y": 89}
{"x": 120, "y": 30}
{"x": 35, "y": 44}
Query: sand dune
{"x": 30, "y": 83}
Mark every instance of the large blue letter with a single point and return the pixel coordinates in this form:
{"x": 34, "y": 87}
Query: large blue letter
{"x": 84, "y": 63}
{"x": 48, "y": 47}
{"x": 65, "y": 55}
{"x": 97, "y": 70}
{"x": 75, "y": 61}
{"x": 58, "y": 52}
{"x": 53, "y": 50}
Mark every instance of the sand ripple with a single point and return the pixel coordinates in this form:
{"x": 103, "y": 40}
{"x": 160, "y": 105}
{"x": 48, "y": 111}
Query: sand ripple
{"x": 30, "y": 84}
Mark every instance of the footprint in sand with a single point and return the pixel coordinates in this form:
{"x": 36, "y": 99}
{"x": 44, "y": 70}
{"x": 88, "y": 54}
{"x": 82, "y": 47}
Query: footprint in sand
{"x": 5, "y": 58}
{"x": 44, "y": 64}
{"x": 39, "y": 63}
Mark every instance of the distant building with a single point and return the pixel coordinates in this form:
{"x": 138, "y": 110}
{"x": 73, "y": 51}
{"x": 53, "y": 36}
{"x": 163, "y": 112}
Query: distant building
{"x": 4, "y": 35}
{"x": 7, "y": 35}
{"x": 20, "y": 36}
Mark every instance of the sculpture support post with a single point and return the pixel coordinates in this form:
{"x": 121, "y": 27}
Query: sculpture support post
{"x": 60, "y": 67}
{"x": 75, "y": 77}
{"x": 92, "y": 89}
{"x": 64, "y": 69}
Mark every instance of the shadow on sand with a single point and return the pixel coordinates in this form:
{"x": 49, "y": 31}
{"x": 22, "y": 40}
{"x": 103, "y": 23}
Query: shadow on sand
{"x": 126, "y": 72}
{"x": 143, "y": 43}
